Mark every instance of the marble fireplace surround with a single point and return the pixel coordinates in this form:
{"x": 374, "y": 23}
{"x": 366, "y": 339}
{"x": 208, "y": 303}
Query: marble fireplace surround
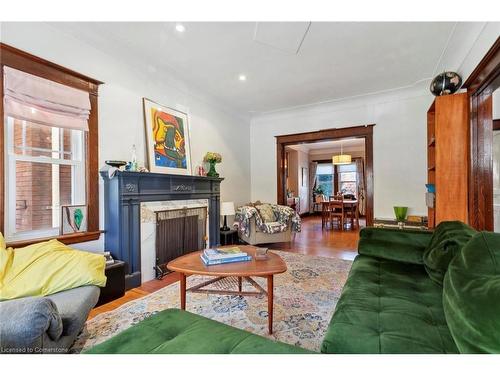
{"x": 123, "y": 195}
{"x": 148, "y": 230}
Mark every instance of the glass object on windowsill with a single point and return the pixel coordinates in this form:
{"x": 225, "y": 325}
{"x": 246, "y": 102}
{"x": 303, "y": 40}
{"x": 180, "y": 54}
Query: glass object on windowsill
{"x": 400, "y": 213}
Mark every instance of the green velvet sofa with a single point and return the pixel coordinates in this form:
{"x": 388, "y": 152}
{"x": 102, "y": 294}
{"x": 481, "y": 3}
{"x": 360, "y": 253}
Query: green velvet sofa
{"x": 175, "y": 331}
{"x": 407, "y": 292}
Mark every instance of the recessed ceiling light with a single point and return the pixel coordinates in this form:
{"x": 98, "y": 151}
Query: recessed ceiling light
{"x": 242, "y": 77}
{"x": 180, "y": 28}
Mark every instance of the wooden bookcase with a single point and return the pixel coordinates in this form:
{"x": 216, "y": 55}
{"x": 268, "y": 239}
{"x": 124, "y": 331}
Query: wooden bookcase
{"x": 448, "y": 157}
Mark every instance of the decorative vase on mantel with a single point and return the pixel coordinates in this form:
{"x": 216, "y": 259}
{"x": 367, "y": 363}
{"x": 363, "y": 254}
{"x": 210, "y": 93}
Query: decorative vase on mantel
{"x": 212, "y": 172}
{"x": 212, "y": 158}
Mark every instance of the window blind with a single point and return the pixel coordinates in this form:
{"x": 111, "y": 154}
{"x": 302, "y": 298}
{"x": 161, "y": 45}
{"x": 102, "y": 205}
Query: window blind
{"x": 35, "y": 99}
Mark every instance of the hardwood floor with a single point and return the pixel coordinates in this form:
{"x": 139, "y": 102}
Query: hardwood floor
{"x": 312, "y": 240}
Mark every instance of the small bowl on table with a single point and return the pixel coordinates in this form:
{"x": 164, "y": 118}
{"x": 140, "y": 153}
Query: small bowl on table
{"x": 261, "y": 253}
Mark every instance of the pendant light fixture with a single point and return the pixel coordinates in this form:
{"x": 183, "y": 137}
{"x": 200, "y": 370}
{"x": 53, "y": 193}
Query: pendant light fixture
{"x": 342, "y": 158}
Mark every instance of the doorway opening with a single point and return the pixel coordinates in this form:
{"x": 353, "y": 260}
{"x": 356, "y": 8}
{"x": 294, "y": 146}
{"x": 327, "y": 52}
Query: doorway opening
{"x": 306, "y": 171}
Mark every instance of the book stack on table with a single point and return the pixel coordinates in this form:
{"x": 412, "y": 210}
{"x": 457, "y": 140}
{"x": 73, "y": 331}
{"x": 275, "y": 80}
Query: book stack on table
{"x": 224, "y": 255}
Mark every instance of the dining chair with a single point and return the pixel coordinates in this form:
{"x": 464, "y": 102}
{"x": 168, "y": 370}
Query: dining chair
{"x": 352, "y": 210}
{"x": 337, "y": 210}
{"x": 325, "y": 213}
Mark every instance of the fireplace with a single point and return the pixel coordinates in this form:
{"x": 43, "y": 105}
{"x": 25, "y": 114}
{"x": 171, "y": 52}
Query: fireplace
{"x": 127, "y": 192}
{"x": 178, "y": 232}
{"x": 170, "y": 229}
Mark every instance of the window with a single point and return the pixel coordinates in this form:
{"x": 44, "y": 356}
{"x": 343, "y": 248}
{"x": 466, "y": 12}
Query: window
{"x": 45, "y": 169}
{"x": 348, "y": 179}
{"x": 325, "y": 178}
{"x": 49, "y": 155}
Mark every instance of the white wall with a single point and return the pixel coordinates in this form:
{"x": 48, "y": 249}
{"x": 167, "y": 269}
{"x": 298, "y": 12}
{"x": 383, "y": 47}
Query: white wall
{"x": 400, "y": 161}
{"x": 213, "y": 126}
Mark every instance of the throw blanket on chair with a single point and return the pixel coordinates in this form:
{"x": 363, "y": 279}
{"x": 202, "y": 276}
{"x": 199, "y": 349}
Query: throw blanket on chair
{"x": 47, "y": 267}
{"x": 269, "y": 218}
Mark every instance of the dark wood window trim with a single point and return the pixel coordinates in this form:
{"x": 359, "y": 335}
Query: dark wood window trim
{"x": 363, "y": 131}
{"x": 480, "y": 85}
{"x": 17, "y": 59}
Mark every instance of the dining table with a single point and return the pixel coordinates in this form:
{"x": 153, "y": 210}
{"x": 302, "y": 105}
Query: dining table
{"x": 352, "y": 207}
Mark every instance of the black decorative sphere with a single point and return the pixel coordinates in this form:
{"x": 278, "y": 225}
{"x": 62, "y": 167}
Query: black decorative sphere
{"x": 446, "y": 83}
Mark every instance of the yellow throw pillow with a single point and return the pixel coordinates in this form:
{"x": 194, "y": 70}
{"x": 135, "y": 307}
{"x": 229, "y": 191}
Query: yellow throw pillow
{"x": 47, "y": 268}
{"x": 2, "y": 241}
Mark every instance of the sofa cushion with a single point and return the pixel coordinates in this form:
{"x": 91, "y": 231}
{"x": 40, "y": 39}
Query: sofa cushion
{"x": 24, "y": 322}
{"x": 471, "y": 295}
{"x": 74, "y": 306}
{"x": 448, "y": 239}
{"x": 180, "y": 332}
{"x": 406, "y": 246}
{"x": 388, "y": 307}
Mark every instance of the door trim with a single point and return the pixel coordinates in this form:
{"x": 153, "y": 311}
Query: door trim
{"x": 480, "y": 85}
{"x": 363, "y": 131}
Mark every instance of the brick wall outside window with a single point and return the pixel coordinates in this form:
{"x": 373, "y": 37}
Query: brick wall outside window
{"x": 34, "y": 180}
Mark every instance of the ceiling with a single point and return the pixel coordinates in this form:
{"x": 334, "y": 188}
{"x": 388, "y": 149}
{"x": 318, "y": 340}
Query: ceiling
{"x": 348, "y": 145}
{"x": 286, "y": 64}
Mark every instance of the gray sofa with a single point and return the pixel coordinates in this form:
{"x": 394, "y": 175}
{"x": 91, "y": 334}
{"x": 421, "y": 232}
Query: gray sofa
{"x": 45, "y": 324}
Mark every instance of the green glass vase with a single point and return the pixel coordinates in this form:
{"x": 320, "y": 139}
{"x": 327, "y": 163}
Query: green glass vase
{"x": 212, "y": 172}
{"x": 400, "y": 213}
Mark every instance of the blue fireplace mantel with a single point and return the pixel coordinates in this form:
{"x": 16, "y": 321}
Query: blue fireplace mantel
{"x": 123, "y": 195}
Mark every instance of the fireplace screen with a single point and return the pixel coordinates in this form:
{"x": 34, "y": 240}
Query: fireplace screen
{"x": 178, "y": 232}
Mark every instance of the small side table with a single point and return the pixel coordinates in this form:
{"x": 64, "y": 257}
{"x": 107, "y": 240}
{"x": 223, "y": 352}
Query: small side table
{"x": 229, "y": 237}
{"x": 115, "y": 283}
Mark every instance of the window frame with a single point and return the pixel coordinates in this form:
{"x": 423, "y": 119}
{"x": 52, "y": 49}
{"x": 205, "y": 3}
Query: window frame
{"x": 355, "y": 181}
{"x": 17, "y": 59}
{"x": 12, "y": 157}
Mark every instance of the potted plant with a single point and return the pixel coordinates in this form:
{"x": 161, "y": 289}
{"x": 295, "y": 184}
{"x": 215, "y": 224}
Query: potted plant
{"x": 318, "y": 193}
{"x": 212, "y": 158}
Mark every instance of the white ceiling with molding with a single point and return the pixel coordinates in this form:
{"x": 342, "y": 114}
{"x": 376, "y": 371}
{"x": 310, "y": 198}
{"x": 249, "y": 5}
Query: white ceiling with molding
{"x": 285, "y": 64}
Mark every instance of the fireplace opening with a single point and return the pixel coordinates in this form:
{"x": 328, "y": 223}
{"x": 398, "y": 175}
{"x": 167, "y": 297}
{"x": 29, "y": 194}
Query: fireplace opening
{"x": 178, "y": 232}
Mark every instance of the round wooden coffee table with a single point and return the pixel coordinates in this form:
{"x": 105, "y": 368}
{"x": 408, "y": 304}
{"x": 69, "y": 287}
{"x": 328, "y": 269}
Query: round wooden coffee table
{"x": 191, "y": 264}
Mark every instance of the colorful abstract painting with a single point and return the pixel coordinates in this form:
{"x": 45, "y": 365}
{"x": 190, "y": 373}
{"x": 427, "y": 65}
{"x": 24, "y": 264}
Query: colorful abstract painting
{"x": 167, "y": 134}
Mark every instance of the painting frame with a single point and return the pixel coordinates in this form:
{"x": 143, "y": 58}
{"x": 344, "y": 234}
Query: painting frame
{"x": 163, "y": 160}
{"x": 67, "y": 225}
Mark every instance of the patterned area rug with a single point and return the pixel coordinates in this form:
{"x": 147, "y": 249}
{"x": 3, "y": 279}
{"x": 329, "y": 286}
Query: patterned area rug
{"x": 304, "y": 300}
